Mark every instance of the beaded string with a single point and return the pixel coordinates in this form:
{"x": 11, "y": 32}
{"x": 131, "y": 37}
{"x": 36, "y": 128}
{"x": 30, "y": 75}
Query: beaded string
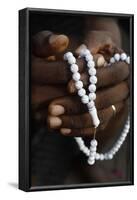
{"x": 89, "y": 101}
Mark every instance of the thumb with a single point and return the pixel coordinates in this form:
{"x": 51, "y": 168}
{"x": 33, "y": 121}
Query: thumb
{"x": 46, "y": 43}
{"x": 98, "y": 42}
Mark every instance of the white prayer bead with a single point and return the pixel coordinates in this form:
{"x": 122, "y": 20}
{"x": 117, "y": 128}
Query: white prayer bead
{"x": 88, "y": 57}
{"x": 123, "y": 56}
{"x": 126, "y": 130}
{"x": 93, "y": 79}
{"x": 91, "y": 64}
{"x": 124, "y": 134}
{"x": 91, "y": 162}
{"x": 81, "y": 92}
{"x": 91, "y": 104}
{"x": 71, "y": 60}
{"x": 105, "y": 156}
{"x": 86, "y": 151}
{"x": 91, "y": 157}
{"x": 93, "y": 148}
{"x": 93, "y": 142}
{"x": 66, "y": 55}
{"x": 112, "y": 151}
{"x": 80, "y": 141}
{"x": 101, "y": 156}
{"x": 92, "y": 96}
{"x": 85, "y": 99}
{"x": 110, "y": 156}
{"x": 76, "y": 76}
{"x": 84, "y": 52}
{"x": 117, "y": 57}
{"x": 74, "y": 68}
{"x": 116, "y": 148}
{"x": 127, "y": 126}
{"x": 89, "y": 100}
{"x": 93, "y": 154}
{"x": 128, "y": 60}
{"x": 92, "y": 71}
{"x": 112, "y": 60}
{"x": 119, "y": 143}
{"x": 79, "y": 85}
{"x": 97, "y": 156}
{"x": 92, "y": 88}
{"x": 82, "y": 147}
{"x": 122, "y": 138}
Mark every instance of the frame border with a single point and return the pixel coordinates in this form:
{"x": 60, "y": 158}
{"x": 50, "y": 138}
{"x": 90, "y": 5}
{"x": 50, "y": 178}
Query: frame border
{"x": 24, "y": 101}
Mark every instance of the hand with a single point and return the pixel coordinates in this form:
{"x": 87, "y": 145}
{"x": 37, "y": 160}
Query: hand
{"x": 72, "y": 118}
{"x": 50, "y": 73}
{"x": 112, "y": 90}
{"x": 46, "y": 46}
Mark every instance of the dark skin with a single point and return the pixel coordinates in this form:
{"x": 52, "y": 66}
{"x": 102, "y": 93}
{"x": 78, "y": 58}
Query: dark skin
{"x": 51, "y": 77}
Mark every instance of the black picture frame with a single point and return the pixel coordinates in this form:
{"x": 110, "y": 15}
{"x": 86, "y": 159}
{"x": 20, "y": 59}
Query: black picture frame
{"x": 24, "y": 100}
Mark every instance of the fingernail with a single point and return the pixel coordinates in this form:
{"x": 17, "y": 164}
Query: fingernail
{"x": 100, "y": 61}
{"x": 56, "y": 110}
{"x": 59, "y": 42}
{"x": 65, "y": 131}
{"x": 51, "y": 58}
{"x": 81, "y": 47}
{"x": 54, "y": 122}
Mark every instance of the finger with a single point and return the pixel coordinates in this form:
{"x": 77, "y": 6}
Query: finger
{"x": 99, "y": 62}
{"x": 98, "y": 40}
{"x": 102, "y": 42}
{"x": 106, "y": 76}
{"x": 82, "y": 132}
{"x": 112, "y": 95}
{"x": 83, "y": 120}
{"x": 66, "y": 105}
{"x": 104, "y": 98}
{"x": 46, "y": 43}
{"x": 56, "y": 72}
{"x": 98, "y": 58}
{"x": 71, "y": 84}
{"x": 44, "y": 94}
{"x": 109, "y": 52}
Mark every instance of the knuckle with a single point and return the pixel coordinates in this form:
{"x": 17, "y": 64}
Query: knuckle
{"x": 101, "y": 116}
{"x": 103, "y": 126}
{"x": 103, "y": 99}
{"x": 82, "y": 132}
{"x": 85, "y": 132}
{"x": 71, "y": 86}
{"x": 120, "y": 71}
{"x": 75, "y": 122}
{"x": 81, "y": 121}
